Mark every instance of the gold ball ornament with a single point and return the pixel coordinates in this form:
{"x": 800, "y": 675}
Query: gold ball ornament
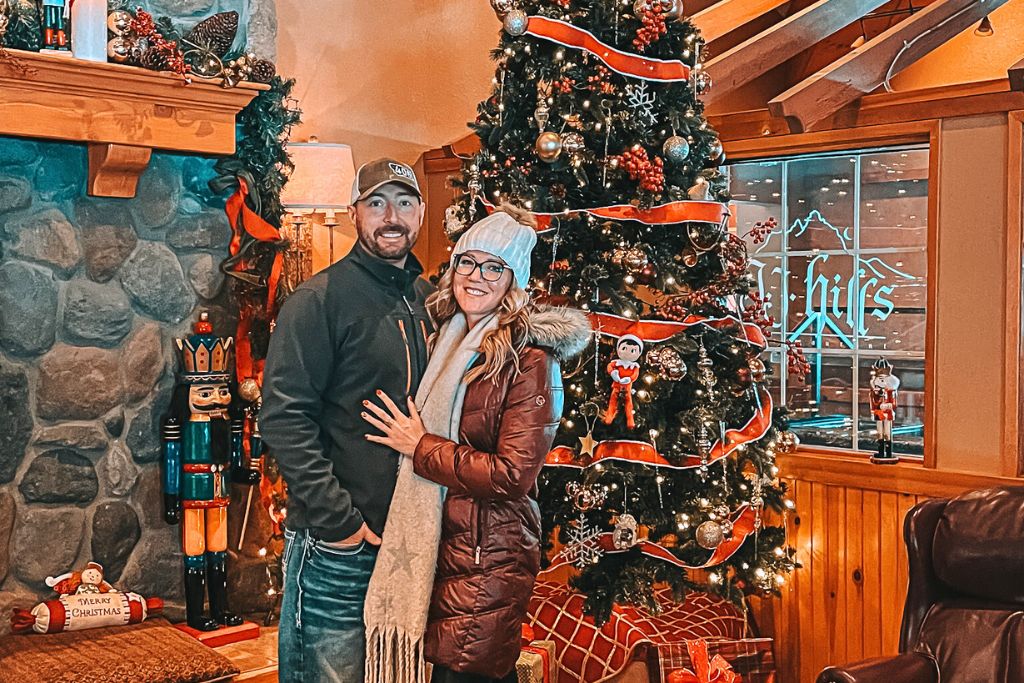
{"x": 516, "y": 22}
{"x": 120, "y": 50}
{"x": 549, "y": 146}
{"x": 710, "y": 535}
{"x": 118, "y": 22}
{"x": 249, "y": 390}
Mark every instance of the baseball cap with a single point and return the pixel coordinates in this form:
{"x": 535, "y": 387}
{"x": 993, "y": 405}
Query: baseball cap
{"x": 374, "y": 174}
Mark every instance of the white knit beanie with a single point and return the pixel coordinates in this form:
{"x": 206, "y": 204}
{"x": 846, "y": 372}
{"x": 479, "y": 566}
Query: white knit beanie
{"x": 503, "y": 236}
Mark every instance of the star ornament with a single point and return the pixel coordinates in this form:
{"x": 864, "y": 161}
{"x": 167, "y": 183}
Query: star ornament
{"x": 587, "y": 444}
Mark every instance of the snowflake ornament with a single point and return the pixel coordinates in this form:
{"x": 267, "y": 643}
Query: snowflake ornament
{"x": 583, "y": 549}
{"x": 641, "y": 100}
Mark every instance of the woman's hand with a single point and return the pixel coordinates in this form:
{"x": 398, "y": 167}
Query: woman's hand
{"x": 401, "y": 432}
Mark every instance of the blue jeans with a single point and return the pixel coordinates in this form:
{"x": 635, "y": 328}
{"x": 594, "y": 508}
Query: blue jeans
{"x": 322, "y": 638}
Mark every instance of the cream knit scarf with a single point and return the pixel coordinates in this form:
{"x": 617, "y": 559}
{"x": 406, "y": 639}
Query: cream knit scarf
{"x": 398, "y": 597}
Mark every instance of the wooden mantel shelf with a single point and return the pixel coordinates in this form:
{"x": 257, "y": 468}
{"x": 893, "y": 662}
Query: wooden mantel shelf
{"x": 122, "y": 112}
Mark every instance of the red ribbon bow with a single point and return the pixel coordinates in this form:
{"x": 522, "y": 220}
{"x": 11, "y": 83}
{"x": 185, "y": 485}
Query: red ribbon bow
{"x": 706, "y": 670}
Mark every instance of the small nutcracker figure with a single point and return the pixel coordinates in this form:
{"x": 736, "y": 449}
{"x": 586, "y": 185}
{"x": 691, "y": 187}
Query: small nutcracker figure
{"x": 202, "y": 447}
{"x": 54, "y": 25}
{"x": 624, "y": 370}
{"x": 884, "y": 389}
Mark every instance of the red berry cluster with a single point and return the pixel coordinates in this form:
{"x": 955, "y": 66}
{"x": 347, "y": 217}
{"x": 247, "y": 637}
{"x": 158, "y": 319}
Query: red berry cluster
{"x": 796, "y": 361}
{"x": 142, "y": 25}
{"x": 703, "y": 297}
{"x": 762, "y": 230}
{"x": 654, "y": 27}
{"x": 560, "y": 266}
{"x": 757, "y": 312}
{"x": 674, "y": 309}
{"x": 564, "y": 4}
{"x": 600, "y": 81}
{"x": 563, "y": 85}
{"x": 651, "y": 174}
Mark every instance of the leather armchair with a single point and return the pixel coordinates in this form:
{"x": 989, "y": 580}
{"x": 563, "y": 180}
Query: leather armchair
{"x": 963, "y": 620}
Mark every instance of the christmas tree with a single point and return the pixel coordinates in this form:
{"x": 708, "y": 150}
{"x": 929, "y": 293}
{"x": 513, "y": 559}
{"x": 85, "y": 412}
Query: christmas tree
{"x": 664, "y": 467}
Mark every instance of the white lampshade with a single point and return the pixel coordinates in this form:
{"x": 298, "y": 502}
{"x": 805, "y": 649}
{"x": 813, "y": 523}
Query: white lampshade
{"x": 322, "y": 179}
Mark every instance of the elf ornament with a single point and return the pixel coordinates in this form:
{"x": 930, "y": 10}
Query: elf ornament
{"x": 202, "y": 446}
{"x": 624, "y": 370}
{"x": 884, "y": 389}
{"x": 88, "y": 580}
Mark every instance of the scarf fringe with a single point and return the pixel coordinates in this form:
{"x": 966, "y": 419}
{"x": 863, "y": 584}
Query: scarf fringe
{"x": 394, "y": 656}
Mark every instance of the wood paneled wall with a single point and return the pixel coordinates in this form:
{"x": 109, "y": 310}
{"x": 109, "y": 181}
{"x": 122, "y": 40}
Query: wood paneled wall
{"x": 846, "y": 602}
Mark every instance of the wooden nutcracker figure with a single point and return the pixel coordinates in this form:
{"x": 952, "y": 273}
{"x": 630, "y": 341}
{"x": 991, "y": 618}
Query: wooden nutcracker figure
{"x": 884, "y": 389}
{"x": 624, "y": 370}
{"x": 202, "y": 448}
{"x": 54, "y": 25}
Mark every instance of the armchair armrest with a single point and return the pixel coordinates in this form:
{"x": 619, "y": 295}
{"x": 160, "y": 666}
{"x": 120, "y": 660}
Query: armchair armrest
{"x": 911, "y": 667}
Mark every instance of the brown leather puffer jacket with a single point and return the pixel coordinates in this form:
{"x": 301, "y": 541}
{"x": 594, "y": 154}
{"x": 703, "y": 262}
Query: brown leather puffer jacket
{"x": 490, "y": 534}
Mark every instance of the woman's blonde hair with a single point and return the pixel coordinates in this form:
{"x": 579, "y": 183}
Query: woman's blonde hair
{"x": 501, "y": 346}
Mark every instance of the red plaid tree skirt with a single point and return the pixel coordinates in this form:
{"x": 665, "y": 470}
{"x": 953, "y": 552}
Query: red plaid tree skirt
{"x": 590, "y": 654}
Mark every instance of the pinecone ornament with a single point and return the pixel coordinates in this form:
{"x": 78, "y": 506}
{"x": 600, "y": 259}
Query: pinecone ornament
{"x": 215, "y": 33}
{"x": 263, "y": 71}
{"x": 154, "y": 59}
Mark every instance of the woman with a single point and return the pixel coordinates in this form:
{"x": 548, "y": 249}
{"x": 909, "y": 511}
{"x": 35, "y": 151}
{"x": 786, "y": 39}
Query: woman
{"x": 483, "y": 421}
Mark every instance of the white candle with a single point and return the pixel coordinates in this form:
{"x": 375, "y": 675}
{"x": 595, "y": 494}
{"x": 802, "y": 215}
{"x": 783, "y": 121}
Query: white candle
{"x": 89, "y": 30}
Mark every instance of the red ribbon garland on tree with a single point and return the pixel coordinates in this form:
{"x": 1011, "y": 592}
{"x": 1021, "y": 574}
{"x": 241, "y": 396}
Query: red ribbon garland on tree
{"x": 663, "y": 214}
{"x": 645, "y": 68}
{"x": 744, "y": 523}
{"x": 245, "y": 220}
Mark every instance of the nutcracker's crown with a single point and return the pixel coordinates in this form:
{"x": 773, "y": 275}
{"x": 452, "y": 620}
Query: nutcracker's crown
{"x": 205, "y": 357}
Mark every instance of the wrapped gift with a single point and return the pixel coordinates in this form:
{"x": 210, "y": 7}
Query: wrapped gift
{"x": 750, "y": 658}
{"x": 537, "y": 663}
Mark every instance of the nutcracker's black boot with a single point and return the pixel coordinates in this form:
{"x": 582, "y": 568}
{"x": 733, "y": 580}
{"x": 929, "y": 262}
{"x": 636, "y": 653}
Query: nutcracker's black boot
{"x": 884, "y": 454}
{"x": 195, "y": 594}
{"x": 217, "y": 587}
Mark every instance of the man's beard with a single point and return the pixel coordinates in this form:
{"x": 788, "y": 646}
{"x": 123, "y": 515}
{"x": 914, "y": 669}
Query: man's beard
{"x": 391, "y": 250}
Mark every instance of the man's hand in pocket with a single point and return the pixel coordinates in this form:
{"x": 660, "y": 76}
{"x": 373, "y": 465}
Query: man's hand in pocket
{"x": 364, "y": 534}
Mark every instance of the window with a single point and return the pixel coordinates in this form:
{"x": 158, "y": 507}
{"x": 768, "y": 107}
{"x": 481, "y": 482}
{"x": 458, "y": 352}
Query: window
{"x": 846, "y": 272}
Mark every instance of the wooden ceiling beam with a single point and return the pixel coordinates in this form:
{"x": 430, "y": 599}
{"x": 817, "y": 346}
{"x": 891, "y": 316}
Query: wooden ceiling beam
{"x": 727, "y": 15}
{"x": 864, "y": 69}
{"x": 791, "y": 36}
{"x": 1017, "y": 76}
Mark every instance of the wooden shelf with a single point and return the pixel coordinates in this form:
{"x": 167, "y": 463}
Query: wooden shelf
{"x": 121, "y": 112}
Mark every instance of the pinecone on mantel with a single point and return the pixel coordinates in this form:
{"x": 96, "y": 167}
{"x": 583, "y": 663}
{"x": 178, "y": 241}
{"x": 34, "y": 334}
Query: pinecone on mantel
{"x": 215, "y": 33}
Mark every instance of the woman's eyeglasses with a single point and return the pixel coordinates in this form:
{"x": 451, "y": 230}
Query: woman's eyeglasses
{"x": 489, "y": 270}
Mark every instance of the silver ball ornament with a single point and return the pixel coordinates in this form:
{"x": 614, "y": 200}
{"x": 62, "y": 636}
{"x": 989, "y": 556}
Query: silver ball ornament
{"x": 549, "y": 146}
{"x": 573, "y": 143}
{"x": 710, "y": 535}
{"x": 502, "y": 7}
{"x": 703, "y": 83}
{"x": 516, "y": 22}
{"x": 715, "y": 149}
{"x": 676, "y": 149}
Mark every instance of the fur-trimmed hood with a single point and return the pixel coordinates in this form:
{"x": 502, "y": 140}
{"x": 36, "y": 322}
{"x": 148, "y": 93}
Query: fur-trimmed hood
{"x": 565, "y": 331}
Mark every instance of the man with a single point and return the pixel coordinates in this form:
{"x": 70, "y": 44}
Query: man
{"x": 354, "y": 328}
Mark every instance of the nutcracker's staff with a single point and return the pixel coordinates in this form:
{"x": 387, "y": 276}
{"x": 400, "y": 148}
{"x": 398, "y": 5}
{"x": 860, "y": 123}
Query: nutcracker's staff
{"x": 249, "y": 390}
